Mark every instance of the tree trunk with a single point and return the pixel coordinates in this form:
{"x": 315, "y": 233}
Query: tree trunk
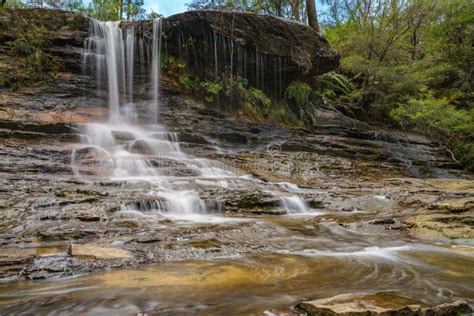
{"x": 312, "y": 16}
{"x": 295, "y": 8}
{"x": 120, "y": 11}
{"x": 129, "y": 8}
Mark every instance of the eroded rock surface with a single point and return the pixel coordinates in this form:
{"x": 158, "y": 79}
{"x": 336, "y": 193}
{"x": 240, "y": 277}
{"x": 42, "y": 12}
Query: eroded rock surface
{"x": 379, "y": 304}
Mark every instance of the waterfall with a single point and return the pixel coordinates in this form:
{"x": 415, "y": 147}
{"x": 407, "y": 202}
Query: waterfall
{"x": 216, "y": 65}
{"x": 114, "y": 58}
{"x": 121, "y": 149}
{"x": 107, "y": 44}
{"x": 130, "y": 45}
{"x": 155, "y": 70}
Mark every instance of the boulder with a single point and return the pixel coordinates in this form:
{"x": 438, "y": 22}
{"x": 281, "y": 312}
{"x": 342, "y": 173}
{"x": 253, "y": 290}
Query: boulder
{"x": 65, "y": 28}
{"x": 303, "y": 48}
{"x": 66, "y": 31}
{"x": 383, "y": 304}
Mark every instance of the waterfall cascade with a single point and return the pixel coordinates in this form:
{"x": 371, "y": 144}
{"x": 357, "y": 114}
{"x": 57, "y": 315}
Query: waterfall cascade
{"x": 128, "y": 151}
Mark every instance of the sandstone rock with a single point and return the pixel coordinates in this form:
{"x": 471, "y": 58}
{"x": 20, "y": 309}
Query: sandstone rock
{"x": 383, "y": 304}
{"x": 251, "y": 202}
{"x": 84, "y": 212}
{"x": 440, "y": 225}
{"x": 455, "y": 205}
{"x": 64, "y": 26}
{"x": 98, "y": 252}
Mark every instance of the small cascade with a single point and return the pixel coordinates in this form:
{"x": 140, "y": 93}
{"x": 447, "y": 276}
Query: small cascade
{"x": 294, "y": 204}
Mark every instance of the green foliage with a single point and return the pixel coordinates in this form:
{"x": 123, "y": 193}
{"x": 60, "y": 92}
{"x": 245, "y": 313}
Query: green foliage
{"x": 211, "y": 90}
{"x": 415, "y": 53}
{"x": 299, "y": 92}
{"x": 258, "y": 98}
{"x": 29, "y": 43}
{"x": 103, "y": 10}
{"x": 15, "y": 4}
{"x": 185, "y": 81}
{"x": 338, "y": 83}
{"x": 289, "y": 9}
{"x": 440, "y": 120}
{"x": 31, "y": 59}
{"x": 173, "y": 65}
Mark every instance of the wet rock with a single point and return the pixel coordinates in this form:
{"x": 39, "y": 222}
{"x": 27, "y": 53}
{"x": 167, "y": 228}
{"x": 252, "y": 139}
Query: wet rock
{"x": 280, "y": 312}
{"x": 435, "y": 225}
{"x": 378, "y": 304}
{"x": 91, "y": 251}
{"x": 389, "y": 223}
{"x": 455, "y": 205}
{"x": 190, "y": 137}
{"x": 171, "y": 167}
{"x": 457, "y": 308}
{"x": 123, "y": 136}
{"x": 257, "y": 203}
{"x": 84, "y": 212}
{"x": 68, "y": 232}
{"x": 91, "y": 161}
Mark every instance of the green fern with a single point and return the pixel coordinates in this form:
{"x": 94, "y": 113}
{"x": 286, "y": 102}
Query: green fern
{"x": 338, "y": 83}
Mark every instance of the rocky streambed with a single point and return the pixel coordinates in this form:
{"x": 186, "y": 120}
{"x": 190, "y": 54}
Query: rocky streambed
{"x": 284, "y": 215}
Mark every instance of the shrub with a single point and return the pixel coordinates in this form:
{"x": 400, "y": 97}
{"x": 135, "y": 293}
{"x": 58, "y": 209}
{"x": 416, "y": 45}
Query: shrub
{"x": 258, "y": 98}
{"x": 30, "y": 42}
{"x": 32, "y": 60}
{"x": 299, "y": 93}
{"x": 436, "y": 118}
{"x": 211, "y": 90}
{"x": 186, "y": 82}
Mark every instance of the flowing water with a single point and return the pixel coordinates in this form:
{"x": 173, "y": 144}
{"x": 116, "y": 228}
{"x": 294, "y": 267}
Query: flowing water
{"x": 308, "y": 260}
{"x": 295, "y": 257}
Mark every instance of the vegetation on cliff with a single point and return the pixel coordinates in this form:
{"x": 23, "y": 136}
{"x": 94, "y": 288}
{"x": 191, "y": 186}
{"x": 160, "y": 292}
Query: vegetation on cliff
{"x": 31, "y": 60}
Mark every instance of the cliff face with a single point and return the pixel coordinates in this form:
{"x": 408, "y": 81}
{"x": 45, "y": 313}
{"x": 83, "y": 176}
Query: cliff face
{"x": 269, "y": 52}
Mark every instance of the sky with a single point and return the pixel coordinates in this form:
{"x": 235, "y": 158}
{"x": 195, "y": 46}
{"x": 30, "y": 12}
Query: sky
{"x": 166, "y": 7}
{"x": 170, "y": 7}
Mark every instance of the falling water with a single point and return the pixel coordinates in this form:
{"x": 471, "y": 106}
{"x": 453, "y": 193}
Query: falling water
{"x": 294, "y": 204}
{"x": 130, "y": 60}
{"x": 155, "y": 70}
{"x": 216, "y": 74}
